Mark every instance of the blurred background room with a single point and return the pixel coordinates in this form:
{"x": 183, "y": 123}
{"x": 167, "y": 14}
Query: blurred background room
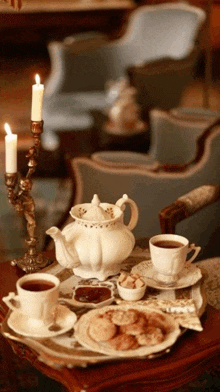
{"x": 86, "y": 52}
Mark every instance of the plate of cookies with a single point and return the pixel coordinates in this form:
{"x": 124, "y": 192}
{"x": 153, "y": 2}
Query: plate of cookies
{"x": 127, "y": 330}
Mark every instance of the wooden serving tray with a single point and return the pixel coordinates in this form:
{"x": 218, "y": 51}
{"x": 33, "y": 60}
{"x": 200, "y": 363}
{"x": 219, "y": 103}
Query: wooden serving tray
{"x": 64, "y": 350}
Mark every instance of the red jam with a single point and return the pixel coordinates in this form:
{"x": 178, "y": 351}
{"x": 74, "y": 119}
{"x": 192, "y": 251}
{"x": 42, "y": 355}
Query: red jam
{"x": 92, "y": 294}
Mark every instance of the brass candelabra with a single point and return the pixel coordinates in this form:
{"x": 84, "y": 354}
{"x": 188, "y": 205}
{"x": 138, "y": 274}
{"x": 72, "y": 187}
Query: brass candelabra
{"x": 19, "y": 196}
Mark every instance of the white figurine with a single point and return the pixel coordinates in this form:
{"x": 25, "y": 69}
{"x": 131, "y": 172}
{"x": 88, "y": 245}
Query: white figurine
{"x": 124, "y": 114}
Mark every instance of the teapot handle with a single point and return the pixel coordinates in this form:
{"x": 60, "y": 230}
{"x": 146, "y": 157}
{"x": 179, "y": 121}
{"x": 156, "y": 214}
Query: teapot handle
{"x": 134, "y": 210}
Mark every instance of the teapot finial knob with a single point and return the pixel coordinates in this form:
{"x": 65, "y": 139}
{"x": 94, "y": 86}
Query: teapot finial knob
{"x": 95, "y": 201}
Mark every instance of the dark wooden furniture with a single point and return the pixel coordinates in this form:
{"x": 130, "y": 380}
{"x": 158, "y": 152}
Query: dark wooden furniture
{"x": 49, "y": 23}
{"x": 85, "y": 142}
{"x": 187, "y": 205}
{"x": 45, "y": 21}
{"x": 51, "y": 164}
{"x": 193, "y": 354}
{"x": 107, "y": 141}
{"x": 78, "y": 142}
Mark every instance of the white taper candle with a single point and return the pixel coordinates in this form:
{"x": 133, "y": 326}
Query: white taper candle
{"x": 37, "y": 100}
{"x": 10, "y": 151}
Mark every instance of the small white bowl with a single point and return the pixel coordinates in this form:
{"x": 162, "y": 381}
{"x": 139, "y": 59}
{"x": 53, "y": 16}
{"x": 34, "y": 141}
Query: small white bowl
{"x": 131, "y": 294}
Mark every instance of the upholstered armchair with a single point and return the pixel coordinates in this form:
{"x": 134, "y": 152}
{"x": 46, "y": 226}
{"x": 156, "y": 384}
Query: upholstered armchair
{"x": 177, "y": 137}
{"x": 77, "y": 82}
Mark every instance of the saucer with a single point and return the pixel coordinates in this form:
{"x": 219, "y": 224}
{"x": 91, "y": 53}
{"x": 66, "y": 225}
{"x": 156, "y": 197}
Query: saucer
{"x": 18, "y": 322}
{"x": 190, "y": 275}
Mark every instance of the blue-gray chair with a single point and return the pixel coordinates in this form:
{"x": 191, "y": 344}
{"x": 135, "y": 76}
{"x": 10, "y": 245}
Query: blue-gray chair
{"x": 78, "y": 78}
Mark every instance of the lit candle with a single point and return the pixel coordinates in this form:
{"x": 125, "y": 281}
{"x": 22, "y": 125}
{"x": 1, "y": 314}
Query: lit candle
{"x": 37, "y": 100}
{"x": 10, "y": 151}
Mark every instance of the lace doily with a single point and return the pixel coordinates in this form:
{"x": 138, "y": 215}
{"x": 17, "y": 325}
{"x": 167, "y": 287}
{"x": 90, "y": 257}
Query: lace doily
{"x": 212, "y": 280}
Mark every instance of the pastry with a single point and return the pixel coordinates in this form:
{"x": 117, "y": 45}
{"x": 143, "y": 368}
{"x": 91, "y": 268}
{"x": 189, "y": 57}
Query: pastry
{"x": 159, "y": 320}
{"x": 123, "y": 342}
{"x": 122, "y": 317}
{"x": 152, "y": 336}
{"x": 139, "y": 326}
{"x": 101, "y": 329}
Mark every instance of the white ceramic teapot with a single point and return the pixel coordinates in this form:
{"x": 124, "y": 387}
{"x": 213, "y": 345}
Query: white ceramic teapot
{"x": 97, "y": 242}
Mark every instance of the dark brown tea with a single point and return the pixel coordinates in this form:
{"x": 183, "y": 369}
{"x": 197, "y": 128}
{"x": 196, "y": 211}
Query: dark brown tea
{"x": 37, "y": 285}
{"x": 168, "y": 244}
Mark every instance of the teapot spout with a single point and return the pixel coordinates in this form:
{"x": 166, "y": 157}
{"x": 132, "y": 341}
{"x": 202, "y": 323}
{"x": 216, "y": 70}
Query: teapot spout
{"x": 65, "y": 256}
{"x": 54, "y": 232}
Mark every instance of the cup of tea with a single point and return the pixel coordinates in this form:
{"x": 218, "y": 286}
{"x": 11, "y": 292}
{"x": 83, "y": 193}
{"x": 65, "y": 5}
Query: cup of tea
{"x": 37, "y": 298}
{"x": 169, "y": 256}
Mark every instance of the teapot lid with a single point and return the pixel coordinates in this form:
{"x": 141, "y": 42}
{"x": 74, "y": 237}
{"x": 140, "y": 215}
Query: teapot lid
{"x": 95, "y": 212}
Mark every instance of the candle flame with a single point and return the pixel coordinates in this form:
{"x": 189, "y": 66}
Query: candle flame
{"x": 37, "y": 79}
{"x": 8, "y": 129}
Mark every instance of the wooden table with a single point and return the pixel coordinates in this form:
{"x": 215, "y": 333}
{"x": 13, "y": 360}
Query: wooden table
{"x": 190, "y": 357}
{"x": 85, "y": 142}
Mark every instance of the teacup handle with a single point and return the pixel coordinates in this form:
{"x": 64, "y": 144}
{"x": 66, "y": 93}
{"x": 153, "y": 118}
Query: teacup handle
{"x": 196, "y": 252}
{"x": 134, "y": 210}
{"x": 8, "y": 301}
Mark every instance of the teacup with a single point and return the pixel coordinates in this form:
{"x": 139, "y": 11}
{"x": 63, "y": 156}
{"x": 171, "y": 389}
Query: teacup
{"x": 36, "y": 299}
{"x": 169, "y": 256}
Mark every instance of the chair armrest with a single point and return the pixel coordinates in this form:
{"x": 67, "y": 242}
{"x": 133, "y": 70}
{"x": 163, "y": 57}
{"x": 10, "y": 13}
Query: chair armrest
{"x": 187, "y": 205}
{"x": 201, "y": 145}
{"x": 164, "y": 65}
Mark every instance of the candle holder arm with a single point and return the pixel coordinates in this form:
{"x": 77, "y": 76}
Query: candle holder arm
{"x": 19, "y": 196}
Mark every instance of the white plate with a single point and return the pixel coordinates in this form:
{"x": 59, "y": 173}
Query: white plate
{"x": 190, "y": 275}
{"x": 83, "y": 337}
{"x": 65, "y": 318}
